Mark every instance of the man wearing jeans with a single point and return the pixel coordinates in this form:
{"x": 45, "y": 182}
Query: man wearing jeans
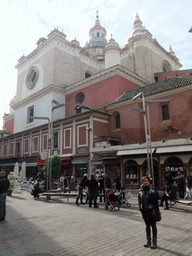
{"x": 81, "y": 187}
{"x": 4, "y": 185}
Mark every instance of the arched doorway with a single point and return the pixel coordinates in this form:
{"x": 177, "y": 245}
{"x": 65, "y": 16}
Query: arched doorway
{"x": 174, "y": 164}
{"x": 131, "y": 173}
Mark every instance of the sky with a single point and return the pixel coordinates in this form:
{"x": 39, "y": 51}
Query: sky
{"x": 23, "y": 22}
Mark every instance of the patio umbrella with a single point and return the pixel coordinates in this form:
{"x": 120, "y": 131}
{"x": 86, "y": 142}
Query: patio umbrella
{"x": 16, "y": 170}
{"x": 23, "y": 171}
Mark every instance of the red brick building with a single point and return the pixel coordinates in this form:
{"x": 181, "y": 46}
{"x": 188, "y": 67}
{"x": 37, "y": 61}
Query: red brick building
{"x": 112, "y": 137}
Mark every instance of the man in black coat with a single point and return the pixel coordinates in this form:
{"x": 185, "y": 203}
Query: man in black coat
{"x": 4, "y": 186}
{"x": 107, "y": 184}
{"x": 81, "y": 187}
{"x": 118, "y": 182}
{"x": 93, "y": 190}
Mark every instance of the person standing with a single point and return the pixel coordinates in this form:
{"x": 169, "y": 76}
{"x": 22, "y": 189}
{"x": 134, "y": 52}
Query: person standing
{"x": 101, "y": 186}
{"x": 107, "y": 184}
{"x": 117, "y": 182}
{"x": 81, "y": 187}
{"x": 4, "y": 186}
{"x": 61, "y": 180}
{"x": 148, "y": 203}
{"x": 189, "y": 186}
{"x": 181, "y": 184}
{"x": 93, "y": 190}
{"x": 168, "y": 177}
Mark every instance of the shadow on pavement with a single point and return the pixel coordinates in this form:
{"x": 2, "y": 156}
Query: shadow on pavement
{"x": 171, "y": 252}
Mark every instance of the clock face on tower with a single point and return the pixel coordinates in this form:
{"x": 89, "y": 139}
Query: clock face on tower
{"x": 32, "y": 77}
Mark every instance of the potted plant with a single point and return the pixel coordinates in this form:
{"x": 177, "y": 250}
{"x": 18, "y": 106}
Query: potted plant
{"x": 12, "y": 181}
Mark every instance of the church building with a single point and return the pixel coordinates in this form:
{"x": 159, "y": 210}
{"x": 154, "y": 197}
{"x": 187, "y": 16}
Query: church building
{"x": 95, "y": 123}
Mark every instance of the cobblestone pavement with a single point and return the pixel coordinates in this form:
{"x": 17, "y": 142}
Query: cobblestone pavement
{"x": 41, "y": 228}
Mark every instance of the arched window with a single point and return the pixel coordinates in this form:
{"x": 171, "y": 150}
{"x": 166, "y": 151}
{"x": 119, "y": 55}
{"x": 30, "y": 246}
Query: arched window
{"x": 166, "y": 66}
{"x": 118, "y": 121}
{"x": 115, "y": 121}
{"x": 173, "y": 164}
{"x": 87, "y": 74}
{"x": 97, "y": 34}
{"x": 80, "y": 97}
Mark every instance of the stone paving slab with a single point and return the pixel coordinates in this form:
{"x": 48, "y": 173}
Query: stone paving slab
{"x": 57, "y": 228}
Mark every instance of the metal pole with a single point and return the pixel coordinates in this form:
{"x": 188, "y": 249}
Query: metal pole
{"x": 51, "y": 148}
{"x": 49, "y": 144}
{"x": 58, "y": 105}
{"x": 49, "y": 154}
{"x": 149, "y": 140}
{"x": 146, "y": 135}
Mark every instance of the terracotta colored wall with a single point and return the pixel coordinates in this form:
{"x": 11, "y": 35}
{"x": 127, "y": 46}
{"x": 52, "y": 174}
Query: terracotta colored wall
{"x": 132, "y": 122}
{"x": 180, "y": 73}
{"x": 100, "y": 94}
{"x": 9, "y": 125}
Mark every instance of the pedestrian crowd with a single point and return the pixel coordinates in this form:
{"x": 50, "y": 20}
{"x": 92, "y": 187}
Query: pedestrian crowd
{"x": 95, "y": 187}
{"x": 98, "y": 185}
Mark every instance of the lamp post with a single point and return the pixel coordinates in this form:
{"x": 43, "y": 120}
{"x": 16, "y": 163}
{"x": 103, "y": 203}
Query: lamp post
{"x": 149, "y": 135}
{"x": 57, "y": 105}
{"x": 141, "y": 95}
{"x": 49, "y": 145}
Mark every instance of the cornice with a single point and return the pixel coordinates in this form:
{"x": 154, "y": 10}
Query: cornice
{"x": 150, "y": 97}
{"x": 9, "y": 116}
{"x": 155, "y": 144}
{"x": 107, "y": 73}
{"x": 37, "y": 95}
{"x": 54, "y": 41}
{"x": 153, "y": 44}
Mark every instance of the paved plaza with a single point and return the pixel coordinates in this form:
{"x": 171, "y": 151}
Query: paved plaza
{"x": 55, "y": 227}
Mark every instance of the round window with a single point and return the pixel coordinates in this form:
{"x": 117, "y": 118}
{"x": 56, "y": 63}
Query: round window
{"x": 32, "y": 78}
{"x": 80, "y": 97}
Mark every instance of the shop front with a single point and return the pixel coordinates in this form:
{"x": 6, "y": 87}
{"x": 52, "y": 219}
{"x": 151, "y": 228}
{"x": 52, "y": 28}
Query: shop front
{"x": 80, "y": 167}
{"x": 112, "y": 167}
{"x": 66, "y": 165}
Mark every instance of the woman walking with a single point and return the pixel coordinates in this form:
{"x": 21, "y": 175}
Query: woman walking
{"x": 148, "y": 203}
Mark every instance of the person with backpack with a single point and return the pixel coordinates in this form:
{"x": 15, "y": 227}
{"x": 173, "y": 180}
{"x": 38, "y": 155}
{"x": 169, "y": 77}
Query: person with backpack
{"x": 4, "y": 186}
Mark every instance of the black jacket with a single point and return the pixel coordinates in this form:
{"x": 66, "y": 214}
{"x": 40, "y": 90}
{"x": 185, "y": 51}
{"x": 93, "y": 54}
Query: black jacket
{"x": 148, "y": 198}
{"x": 83, "y": 182}
{"x": 92, "y": 184}
{"x": 4, "y": 185}
{"x": 107, "y": 182}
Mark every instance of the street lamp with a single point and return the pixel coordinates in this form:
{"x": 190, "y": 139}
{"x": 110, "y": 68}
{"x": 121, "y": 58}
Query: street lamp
{"x": 57, "y": 105}
{"x": 49, "y": 144}
{"x": 149, "y": 135}
{"x": 141, "y": 95}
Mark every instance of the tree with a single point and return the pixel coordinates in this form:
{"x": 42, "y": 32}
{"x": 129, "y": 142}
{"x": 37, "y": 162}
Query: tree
{"x": 55, "y": 168}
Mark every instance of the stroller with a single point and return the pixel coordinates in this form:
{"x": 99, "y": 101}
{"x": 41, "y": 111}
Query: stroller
{"x": 114, "y": 199}
{"x": 126, "y": 196}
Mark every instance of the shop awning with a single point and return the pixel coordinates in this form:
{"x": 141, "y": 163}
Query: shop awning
{"x": 41, "y": 162}
{"x": 174, "y": 149}
{"x": 66, "y": 156}
{"x": 134, "y": 152}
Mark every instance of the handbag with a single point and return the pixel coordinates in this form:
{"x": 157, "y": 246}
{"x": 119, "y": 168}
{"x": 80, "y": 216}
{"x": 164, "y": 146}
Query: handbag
{"x": 157, "y": 215}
